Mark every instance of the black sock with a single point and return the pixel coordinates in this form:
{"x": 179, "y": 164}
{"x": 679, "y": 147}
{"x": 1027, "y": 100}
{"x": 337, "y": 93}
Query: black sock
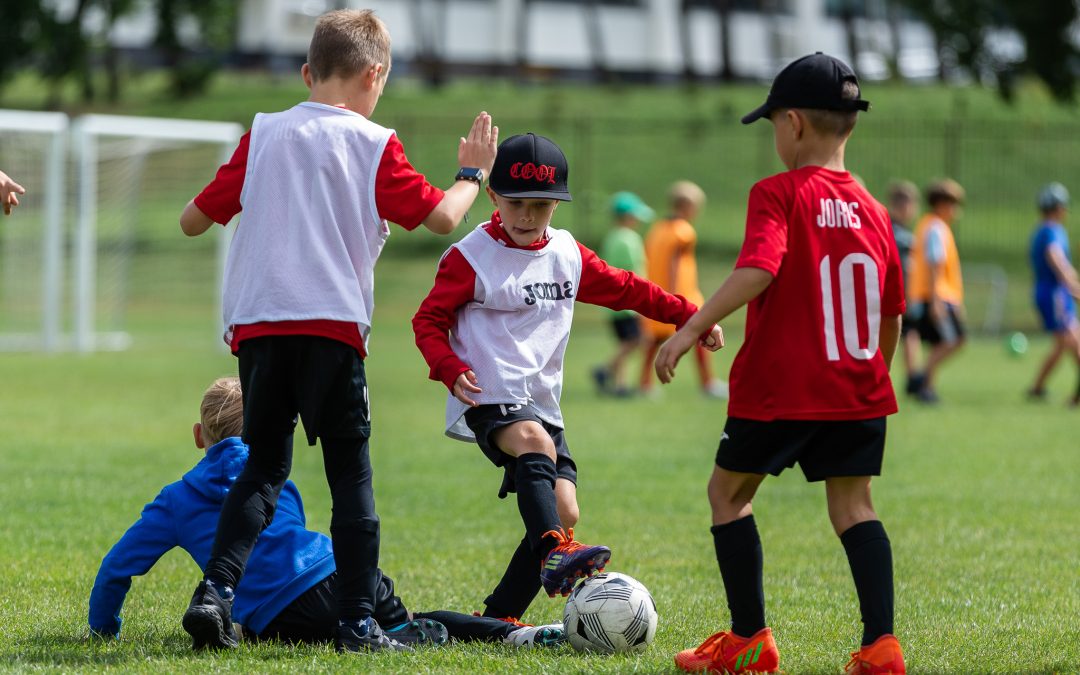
{"x": 870, "y": 556}
{"x": 519, "y": 585}
{"x": 738, "y": 551}
{"x": 534, "y": 476}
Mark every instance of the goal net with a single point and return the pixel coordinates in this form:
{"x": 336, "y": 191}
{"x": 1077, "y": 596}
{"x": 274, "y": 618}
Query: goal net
{"x": 123, "y": 268}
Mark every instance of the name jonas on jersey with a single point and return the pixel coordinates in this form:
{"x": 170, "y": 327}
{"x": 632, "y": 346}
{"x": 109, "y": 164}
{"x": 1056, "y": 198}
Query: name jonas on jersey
{"x": 551, "y": 290}
{"x": 833, "y": 213}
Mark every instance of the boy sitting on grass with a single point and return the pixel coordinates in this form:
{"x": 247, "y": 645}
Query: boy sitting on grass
{"x": 290, "y": 590}
{"x": 494, "y": 329}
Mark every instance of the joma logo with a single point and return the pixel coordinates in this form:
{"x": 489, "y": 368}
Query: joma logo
{"x": 551, "y": 290}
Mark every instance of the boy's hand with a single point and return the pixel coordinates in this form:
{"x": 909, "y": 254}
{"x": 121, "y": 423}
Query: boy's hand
{"x": 9, "y": 193}
{"x": 478, "y": 149}
{"x": 672, "y": 351}
{"x": 466, "y": 382}
{"x": 714, "y": 340}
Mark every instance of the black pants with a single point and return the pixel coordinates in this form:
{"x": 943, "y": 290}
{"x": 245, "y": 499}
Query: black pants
{"x": 313, "y": 617}
{"x": 323, "y": 382}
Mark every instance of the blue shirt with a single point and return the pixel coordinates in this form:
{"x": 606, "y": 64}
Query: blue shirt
{"x": 287, "y": 560}
{"x": 1047, "y": 234}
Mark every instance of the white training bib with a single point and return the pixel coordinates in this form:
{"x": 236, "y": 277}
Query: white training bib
{"x": 514, "y": 333}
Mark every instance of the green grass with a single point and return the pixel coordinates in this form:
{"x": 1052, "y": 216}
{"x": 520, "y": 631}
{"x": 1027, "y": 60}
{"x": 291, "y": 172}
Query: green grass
{"x": 979, "y": 497}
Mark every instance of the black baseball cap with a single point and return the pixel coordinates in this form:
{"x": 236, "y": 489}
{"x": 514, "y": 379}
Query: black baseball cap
{"x": 816, "y": 82}
{"x": 528, "y": 165}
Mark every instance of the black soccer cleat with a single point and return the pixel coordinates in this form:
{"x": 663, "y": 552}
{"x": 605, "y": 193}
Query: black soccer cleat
{"x": 365, "y": 636}
{"x": 426, "y": 632}
{"x": 208, "y": 618}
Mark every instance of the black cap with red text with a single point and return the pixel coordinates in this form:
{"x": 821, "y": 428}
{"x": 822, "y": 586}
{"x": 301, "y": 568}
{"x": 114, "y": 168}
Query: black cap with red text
{"x": 530, "y": 166}
{"x": 815, "y": 82}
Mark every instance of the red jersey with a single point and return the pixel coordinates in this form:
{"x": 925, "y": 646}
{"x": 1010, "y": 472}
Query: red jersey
{"x": 811, "y": 349}
{"x": 402, "y": 196}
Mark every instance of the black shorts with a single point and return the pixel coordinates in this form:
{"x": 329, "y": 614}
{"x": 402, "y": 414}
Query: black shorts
{"x": 484, "y": 420}
{"x": 949, "y": 330}
{"x": 627, "y": 328}
{"x": 320, "y": 379}
{"x": 823, "y": 449}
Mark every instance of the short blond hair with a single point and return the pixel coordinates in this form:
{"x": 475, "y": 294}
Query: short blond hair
{"x": 222, "y": 411}
{"x": 684, "y": 192}
{"x": 835, "y": 122}
{"x": 902, "y": 192}
{"x": 347, "y": 42}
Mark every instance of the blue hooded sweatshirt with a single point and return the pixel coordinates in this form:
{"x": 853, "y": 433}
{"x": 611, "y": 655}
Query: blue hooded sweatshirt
{"x": 185, "y": 514}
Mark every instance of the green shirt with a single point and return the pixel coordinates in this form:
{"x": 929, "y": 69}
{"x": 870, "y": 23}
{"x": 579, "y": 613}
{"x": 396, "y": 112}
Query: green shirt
{"x": 623, "y": 248}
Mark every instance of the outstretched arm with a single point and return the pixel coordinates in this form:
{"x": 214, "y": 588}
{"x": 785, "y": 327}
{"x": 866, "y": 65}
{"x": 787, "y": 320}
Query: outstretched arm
{"x": 9, "y": 193}
{"x": 142, "y": 545}
{"x": 477, "y": 151}
{"x": 744, "y": 284}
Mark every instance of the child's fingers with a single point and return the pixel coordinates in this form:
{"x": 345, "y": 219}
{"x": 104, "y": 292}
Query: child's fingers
{"x": 494, "y": 141}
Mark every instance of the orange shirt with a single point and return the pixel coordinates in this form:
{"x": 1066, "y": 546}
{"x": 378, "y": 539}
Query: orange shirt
{"x": 949, "y": 284}
{"x": 671, "y": 265}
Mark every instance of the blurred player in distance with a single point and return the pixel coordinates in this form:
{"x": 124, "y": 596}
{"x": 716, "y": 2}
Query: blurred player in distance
{"x": 494, "y": 329}
{"x": 821, "y": 274}
{"x": 936, "y": 286}
{"x": 9, "y": 193}
{"x": 623, "y": 248}
{"x": 672, "y": 265}
{"x": 316, "y": 185}
{"x": 1056, "y": 285}
{"x": 903, "y": 202}
{"x": 290, "y": 591}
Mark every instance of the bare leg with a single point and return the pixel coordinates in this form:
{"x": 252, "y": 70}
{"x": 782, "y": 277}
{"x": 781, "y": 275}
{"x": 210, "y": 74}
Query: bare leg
{"x": 1049, "y": 363}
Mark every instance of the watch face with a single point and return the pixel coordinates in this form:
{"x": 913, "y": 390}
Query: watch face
{"x": 470, "y": 173}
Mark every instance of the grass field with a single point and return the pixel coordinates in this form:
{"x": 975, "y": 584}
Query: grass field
{"x": 980, "y": 498}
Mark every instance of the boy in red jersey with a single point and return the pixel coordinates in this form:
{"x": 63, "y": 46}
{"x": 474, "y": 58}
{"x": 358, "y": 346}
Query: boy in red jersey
{"x": 317, "y": 184}
{"x": 820, "y": 271}
{"x": 494, "y": 329}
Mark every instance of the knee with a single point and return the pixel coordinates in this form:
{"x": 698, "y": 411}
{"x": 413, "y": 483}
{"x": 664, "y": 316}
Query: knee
{"x": 529, "y": 438}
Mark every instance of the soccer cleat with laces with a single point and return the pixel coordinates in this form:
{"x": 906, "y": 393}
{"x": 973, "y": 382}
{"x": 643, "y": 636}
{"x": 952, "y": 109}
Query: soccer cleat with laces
{"x": 726, "y": 652}
{"x": 570, "y": 561}
{"x": 208, "y": 619}
{"x": 365, "y": 636}
{"x": 882, "y": 657}
{"x": 528, "y": 635}
{"x": 419, "y": 632}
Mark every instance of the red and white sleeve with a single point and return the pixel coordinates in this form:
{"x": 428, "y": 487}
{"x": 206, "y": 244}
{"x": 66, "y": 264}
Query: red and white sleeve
{"x": 455, "y": 285}
{"x": 614, "y": 288}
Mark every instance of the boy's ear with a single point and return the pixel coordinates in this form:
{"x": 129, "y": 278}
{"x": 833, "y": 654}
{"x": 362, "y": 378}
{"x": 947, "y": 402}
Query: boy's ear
{"x": 491, "y": 195}
{"x": 373, "y": 74}
{"x": 305, "y": 73}
{"x": 197, "y": 432}
{"x": 798, "y": 122}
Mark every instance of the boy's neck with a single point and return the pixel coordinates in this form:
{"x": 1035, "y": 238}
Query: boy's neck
{"x": 824, "y": 151}
{"x": 344, "y": 94}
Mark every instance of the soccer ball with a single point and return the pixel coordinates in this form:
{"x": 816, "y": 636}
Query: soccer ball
{"x": 610, "y": 613}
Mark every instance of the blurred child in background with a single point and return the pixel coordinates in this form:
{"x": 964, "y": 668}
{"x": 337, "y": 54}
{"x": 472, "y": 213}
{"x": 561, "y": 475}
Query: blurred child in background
{"x": 671, "y": 265}
{"x": 903, "y": 205}
{"x": 624, "y": 249}
{"x": 937, "y": 287}
{"x": 1056, "y": 284}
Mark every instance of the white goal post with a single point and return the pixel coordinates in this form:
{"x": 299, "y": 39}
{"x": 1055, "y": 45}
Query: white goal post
{"x": 100, "y": 137}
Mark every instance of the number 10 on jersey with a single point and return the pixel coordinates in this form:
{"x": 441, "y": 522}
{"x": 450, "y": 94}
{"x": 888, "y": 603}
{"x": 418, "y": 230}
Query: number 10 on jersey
{"x": 849, "y": 318}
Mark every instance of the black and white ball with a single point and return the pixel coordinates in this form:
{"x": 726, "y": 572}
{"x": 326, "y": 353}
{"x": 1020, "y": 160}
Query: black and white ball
{"x": 610, "y": 613}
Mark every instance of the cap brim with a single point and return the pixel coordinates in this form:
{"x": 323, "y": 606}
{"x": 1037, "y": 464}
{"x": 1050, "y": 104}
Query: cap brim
{"x": 761, "y": 111}
{"x": 537, "y": 194}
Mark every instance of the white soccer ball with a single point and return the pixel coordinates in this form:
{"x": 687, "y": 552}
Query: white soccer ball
{"x": 610, "y": 613}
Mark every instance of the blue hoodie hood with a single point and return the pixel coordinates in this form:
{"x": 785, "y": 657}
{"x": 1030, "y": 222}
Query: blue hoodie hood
{"x": 217, "y": 471}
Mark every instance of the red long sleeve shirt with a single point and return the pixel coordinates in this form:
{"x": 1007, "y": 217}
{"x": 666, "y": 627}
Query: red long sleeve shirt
{"x": 601, "y": 284}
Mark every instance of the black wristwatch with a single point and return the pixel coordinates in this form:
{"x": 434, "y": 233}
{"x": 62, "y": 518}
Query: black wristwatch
{"x": 470, "y": 173}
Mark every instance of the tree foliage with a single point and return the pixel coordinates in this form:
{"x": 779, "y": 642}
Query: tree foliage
{"x": 961, "y": 28}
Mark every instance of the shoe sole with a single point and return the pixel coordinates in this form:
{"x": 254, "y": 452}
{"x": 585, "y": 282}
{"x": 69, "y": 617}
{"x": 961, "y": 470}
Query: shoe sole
{"x": 206, "y": 629}
{"x": 425, "y": 635}
{"x": 591, "y": 567}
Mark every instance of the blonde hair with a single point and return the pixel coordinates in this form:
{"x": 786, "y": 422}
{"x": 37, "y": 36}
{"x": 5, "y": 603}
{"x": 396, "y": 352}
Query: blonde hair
{"x": 222, "y": 411}
{"x": 684, "y": 193}
{"x": 835, "y": 122}
{"x": 346, "y": 42}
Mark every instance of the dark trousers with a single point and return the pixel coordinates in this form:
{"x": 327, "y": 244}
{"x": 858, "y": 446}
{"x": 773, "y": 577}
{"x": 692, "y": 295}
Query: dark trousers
{"x": 312, "y": 617}
{"x": 322, "y": 382}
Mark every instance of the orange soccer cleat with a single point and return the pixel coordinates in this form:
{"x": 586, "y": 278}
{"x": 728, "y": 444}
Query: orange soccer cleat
{"x": 882, "y": 657}
{"x": 726, "y": 652}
